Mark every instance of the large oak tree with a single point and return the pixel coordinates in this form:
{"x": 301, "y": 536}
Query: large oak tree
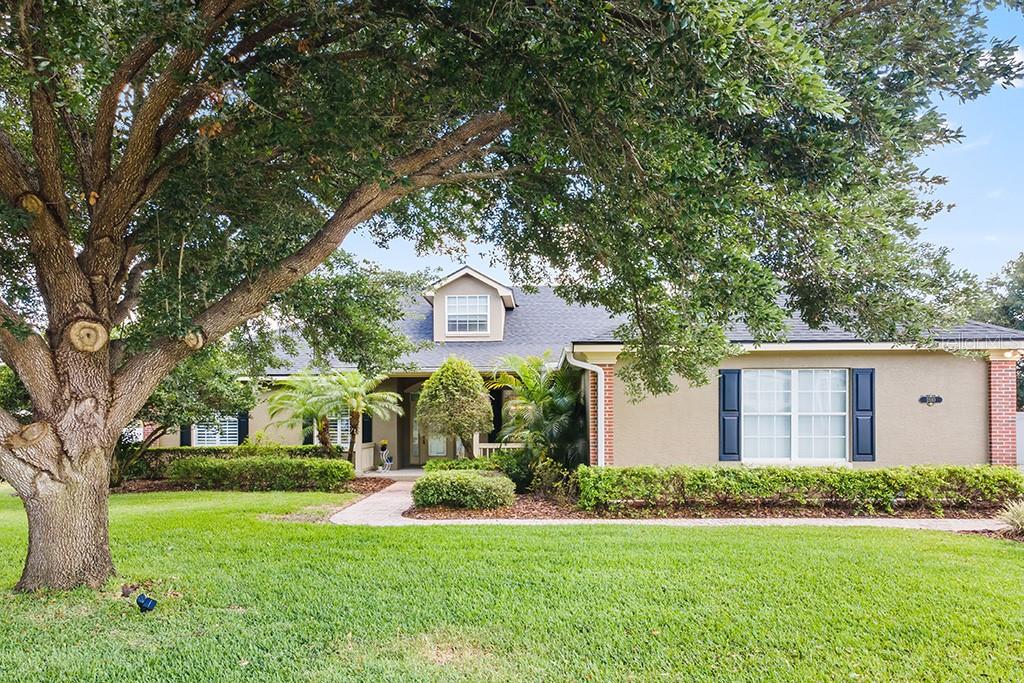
{"x": 171, "y": 168}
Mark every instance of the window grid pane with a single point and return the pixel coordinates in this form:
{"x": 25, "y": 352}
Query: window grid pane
{"x": 817, "y": 413}
{"x": 340, "y": 430}
{"x": 467, "y": 312}
{"x": 222, "y": 433}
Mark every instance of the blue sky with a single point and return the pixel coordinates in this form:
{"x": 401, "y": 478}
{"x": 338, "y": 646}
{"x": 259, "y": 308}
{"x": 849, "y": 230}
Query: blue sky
{"x": 984, "y": 229}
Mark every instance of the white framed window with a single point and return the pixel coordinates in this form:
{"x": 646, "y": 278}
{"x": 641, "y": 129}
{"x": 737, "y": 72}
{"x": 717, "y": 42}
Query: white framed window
{"x": 224, "y": 432}
{"x": 468, "y": 313}
{"x": 795, "y": 415}
{"x": 340, "y": 429}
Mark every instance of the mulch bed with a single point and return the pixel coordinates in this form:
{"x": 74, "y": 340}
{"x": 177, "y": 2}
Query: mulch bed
{"x": 530, "y": 506}
{"x": 368, "y": 485}
{"x": 526, "y": 507}
{"x": 361, "y": 485}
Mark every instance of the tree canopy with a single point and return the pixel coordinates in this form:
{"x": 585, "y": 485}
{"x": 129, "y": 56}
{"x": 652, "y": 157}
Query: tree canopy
{"x": 454, "y": 402}
{"x": 1002, "y": 303}
{"x": 171, "y": 170}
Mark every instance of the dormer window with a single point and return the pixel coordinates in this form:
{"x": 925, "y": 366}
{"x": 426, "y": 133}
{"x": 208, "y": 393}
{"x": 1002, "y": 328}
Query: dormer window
{"x": 468, "y": 313}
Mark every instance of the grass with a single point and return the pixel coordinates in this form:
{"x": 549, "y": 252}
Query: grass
{"x": 246, "y": 597}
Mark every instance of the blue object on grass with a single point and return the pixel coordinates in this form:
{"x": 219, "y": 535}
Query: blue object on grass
{"x": 145, "y": 603}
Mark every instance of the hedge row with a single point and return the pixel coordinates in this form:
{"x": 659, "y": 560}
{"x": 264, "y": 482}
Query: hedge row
{"x": 262, "y": 474}
{"x": 515, "y": 463}
{"x": 858, "y": 490}
{"x": 463, "y": 489}
{"x": 445, "y": 464}
{"x": 154, "y": 461}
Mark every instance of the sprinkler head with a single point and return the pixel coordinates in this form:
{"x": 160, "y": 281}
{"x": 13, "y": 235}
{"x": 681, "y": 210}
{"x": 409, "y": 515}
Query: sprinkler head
{"x": 145, "y": 603}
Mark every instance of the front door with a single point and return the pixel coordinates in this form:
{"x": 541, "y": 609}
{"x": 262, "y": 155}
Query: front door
{"x": 423, "y": 444}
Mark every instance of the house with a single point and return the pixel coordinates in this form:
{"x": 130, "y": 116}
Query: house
{"x": 821, "y": 397}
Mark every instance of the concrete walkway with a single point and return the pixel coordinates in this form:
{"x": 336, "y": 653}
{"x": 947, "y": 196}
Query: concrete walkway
{"x": 385, "y": 508}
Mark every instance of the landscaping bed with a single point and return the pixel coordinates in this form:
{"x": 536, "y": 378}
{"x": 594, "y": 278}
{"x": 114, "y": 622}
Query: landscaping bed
{"x": 535, "y": 506}
{"x": 362, "y": 485}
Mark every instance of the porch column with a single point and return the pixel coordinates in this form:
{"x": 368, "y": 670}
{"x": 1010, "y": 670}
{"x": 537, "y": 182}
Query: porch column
{"x": 608, "y": 394}
{"x": 1002, "y": 410}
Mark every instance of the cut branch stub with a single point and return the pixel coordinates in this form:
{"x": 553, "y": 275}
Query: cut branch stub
{"x": 32, "y": 204}
{"x": 28, "y": 436}
{"x": 87, "y": 336}
{"x": 194, "y": 340}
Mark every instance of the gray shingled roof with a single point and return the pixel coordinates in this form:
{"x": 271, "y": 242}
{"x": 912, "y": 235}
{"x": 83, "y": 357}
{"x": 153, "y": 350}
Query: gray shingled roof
{"x": 544, "y": 322}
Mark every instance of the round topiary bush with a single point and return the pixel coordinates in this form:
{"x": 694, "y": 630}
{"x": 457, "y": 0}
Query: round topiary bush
{"x": 463, "y": 489}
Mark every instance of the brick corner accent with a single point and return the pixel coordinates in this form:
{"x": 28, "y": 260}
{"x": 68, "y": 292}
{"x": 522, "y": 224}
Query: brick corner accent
{"x": 1002, "y": 415}
{"x": 609, "y": 414}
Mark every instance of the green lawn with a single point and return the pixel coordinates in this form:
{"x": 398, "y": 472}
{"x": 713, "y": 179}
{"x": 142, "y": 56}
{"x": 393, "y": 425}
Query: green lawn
{"x": 246, "y": 598}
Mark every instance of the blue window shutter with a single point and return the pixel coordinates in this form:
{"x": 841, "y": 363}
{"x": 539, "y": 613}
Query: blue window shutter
{"x": 185, "y": 433}
{"x": 367, "y": 428}
{"x": 863, "y": 414}
{"x": 307, "y": 432}
{"x": 243, "y": 427}
{"x": 729, "y": 415}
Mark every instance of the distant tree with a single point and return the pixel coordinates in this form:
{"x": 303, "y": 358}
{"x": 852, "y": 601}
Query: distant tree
{"x": 204, "y": 388}
{"x": 545, "y": 411}
{"x": 1002, "y": 303}
{"x": 454, "y": 402}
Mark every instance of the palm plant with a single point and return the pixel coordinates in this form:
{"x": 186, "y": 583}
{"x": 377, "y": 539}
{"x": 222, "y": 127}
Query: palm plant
{"x": 351, "y": 393}
{"x": 300, "y": 398}
{"x": 544, "y": 413}
{"x": 306, "y": 398}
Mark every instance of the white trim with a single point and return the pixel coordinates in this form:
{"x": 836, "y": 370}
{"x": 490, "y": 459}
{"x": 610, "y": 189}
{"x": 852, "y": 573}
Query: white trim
{"x": 467, "y": 333}
{"x": 506, "y": 294}
{"x": 949, "y": 346}
{"x": 599, "y": 371}
{"x": 219, "y": 430}
{"x": 794, "y": 416}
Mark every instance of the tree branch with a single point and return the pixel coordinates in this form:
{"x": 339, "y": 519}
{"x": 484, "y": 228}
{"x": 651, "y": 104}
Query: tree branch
{"x": 865, "y": 8}
{"x": 29, "y": 357}
{"x": 45, "y": 141}
{"x": 138, "y": 377}
{"x": 132, "y": 288}
{"x": 15, "y": 176}
{"x": 110, "y": 97}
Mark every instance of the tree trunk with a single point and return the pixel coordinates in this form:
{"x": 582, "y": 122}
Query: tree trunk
{"x": 467, "y": 446}
{"x": 323, "y": 435}
{"x": 354, "y": 421}
{"x": 68, "y": 540}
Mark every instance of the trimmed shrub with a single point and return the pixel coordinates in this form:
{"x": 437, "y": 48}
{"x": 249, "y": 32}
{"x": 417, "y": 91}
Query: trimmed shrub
{"x": 262, "y": 474}
{"x": 445, "y": 464}
{"x": 1013, "y": 516}
{"x": 517, "y": 464}
{"x": 549, "y": 478}
{"x": 463, "y": 489}
{"x": 862, "y": 491}
{"x": 154, "y": 461}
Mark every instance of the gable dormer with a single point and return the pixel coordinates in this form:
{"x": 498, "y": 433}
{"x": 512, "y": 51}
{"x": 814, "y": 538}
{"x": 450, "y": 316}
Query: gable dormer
{"x": 469, "y": 306}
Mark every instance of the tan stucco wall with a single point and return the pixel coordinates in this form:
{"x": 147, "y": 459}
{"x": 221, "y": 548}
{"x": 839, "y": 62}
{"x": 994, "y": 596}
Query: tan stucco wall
{"x": 288, "y": 435}
{"x": 682, "y": 428}
{"x": 468, "y": 284}
{"x": 273, "y": 430}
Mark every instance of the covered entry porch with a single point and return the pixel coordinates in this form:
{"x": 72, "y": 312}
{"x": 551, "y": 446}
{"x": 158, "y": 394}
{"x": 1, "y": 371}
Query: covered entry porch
{"x": 410, "y": 443}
